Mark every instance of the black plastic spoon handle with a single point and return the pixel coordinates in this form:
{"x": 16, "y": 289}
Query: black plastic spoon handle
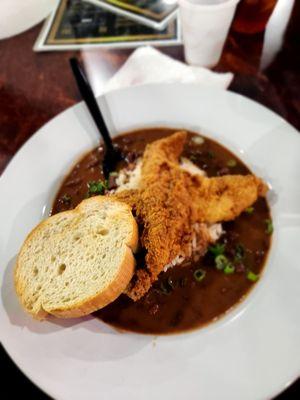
{"x": 89, "y": 98}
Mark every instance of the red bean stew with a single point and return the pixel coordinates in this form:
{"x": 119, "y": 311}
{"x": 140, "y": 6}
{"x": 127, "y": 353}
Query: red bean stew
{"x": 187, "y": 296}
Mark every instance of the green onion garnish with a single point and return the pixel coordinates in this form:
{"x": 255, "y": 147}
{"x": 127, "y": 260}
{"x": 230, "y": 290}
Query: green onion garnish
{"x": 96, "y": 187}
{"x": 231, "y": 163}
{"x": 249, "y": 210}
{"x": 217, "y": 249}
{"x": 239, "y": 252}
{"x": 252, "y": 276}
{"x": 269, "y": 226}
{"x": 166, "y": 289}
{"x": 229, "y": 269}
{"x": 221, "y": 262}
{"x": 199, "y": 274}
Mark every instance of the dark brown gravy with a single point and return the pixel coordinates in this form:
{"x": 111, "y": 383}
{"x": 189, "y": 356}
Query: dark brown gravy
{"x": 177, "y": 301}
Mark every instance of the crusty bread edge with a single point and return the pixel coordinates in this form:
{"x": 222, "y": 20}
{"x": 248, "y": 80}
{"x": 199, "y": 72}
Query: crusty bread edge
{"x": 111, "y": 293}
{"x": 100, "y": 300}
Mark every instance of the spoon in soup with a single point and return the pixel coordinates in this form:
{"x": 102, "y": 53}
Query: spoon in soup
{"x": 112, "y": 153}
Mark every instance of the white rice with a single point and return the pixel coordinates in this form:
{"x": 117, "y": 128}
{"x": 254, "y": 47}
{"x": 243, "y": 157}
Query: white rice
{"x": 215, "y": 231}
{"x": 129, "y": 179}
{"x": 176, "y": 261}
{"x": 190, "y": 167}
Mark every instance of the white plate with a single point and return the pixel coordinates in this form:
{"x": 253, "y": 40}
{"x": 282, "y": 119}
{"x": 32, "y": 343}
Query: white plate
{"x": 252, "y": 353}
{"x": 17, "y": 16}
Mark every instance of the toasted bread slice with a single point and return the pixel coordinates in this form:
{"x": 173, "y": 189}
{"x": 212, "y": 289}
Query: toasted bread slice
{"x": 77, "y": 261}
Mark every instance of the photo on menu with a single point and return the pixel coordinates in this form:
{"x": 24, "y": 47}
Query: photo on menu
{"x": 76, "y": 24}
{"x": 154, "y": 13}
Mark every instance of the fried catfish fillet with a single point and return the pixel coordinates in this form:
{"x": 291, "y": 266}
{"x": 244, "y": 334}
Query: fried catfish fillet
{"x": 130, "y": 197}
{"x": 224, "y": 198}
{"x": 169, "y": 201}
{"x": 165, "y": 208}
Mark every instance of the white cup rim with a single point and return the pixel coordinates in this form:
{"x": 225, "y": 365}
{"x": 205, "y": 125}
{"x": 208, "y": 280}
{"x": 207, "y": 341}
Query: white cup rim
{"x": 208, "y": 7}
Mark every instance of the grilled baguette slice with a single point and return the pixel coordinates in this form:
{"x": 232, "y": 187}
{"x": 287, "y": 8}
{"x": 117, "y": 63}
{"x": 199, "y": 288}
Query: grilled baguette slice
{"x": 77, "y": 261}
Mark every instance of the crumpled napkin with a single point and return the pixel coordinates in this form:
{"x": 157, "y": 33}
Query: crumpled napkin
{"x": 148, "y": 65}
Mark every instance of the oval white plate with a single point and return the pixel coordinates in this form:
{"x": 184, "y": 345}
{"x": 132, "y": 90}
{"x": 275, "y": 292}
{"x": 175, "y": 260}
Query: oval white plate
{"x": 252, "y": 353}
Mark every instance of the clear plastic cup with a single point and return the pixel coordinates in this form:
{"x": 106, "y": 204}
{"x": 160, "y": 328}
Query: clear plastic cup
{"x": 205, "y": 25}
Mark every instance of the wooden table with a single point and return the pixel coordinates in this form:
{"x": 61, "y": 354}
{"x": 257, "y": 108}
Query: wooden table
{"x": 34, "y": 87}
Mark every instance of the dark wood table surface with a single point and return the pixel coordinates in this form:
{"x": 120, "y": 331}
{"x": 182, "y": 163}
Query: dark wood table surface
{"x": 34, "y": 87}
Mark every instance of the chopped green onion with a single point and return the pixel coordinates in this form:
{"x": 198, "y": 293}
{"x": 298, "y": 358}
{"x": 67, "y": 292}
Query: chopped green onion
{"x": 269, "y": 226}
{"x": 166, "y": 289}
{"x": 193, "y": 157}
{"x": 231, "y": 163}
{"x": 249, "y": 210}
{"x": 217, "y": 249}
{"x": 239, "y": 252}
{"x": 252, "y": 276}
{"x": 96, "y": 187}
{"x": 210, "y": 154}
{"x": 229, "y": 269}
{"x": 199, "y": 275}
{"x": 221, "y": 262}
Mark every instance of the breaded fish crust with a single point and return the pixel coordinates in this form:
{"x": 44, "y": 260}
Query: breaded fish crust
{"x": 224, "y": 198}
{"x": 170, "y": 201}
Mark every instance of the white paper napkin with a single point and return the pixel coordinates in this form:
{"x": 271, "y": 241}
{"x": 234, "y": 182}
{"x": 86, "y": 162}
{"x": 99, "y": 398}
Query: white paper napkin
{"x": 148, "y": 65}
